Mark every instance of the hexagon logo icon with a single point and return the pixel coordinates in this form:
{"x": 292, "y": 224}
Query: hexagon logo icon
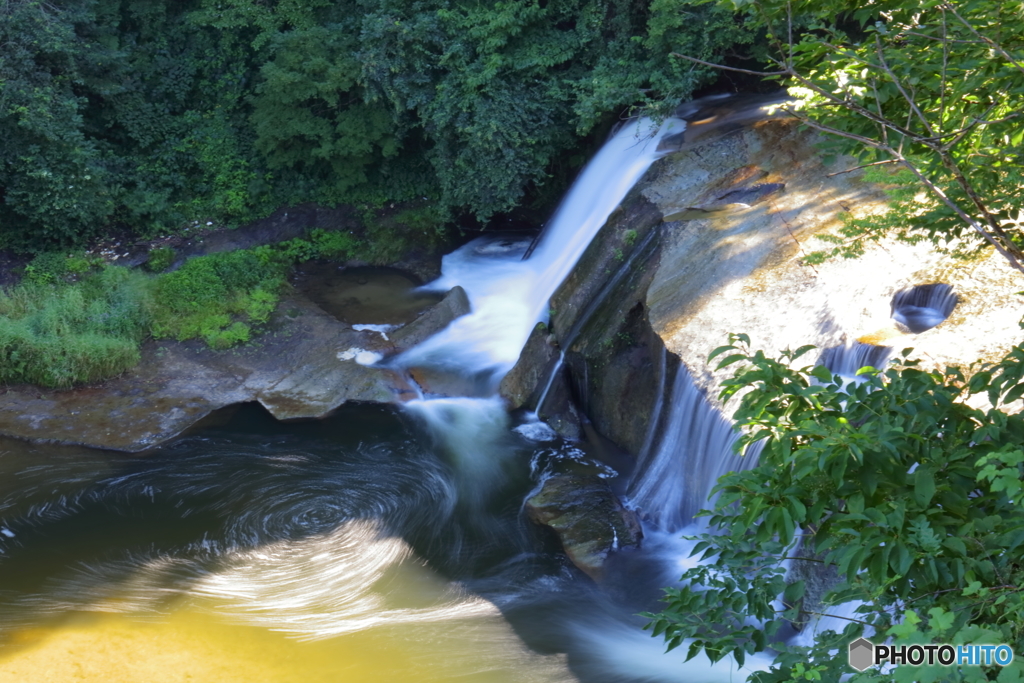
{"x": 862, "y": 654}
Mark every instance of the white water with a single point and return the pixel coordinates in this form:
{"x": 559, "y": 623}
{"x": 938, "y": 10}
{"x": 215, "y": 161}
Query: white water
{"x": 509, "y": 295}
{"x": 847, "y": 360}
{"x": 674, "y": 479}
{"x": 322, "y": 534}
{"x": 923, "y": 307}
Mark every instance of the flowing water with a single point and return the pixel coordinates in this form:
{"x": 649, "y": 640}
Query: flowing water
{"x": 380, "y": 544}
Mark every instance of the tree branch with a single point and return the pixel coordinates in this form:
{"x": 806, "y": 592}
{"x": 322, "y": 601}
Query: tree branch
{"x": 899, "y": 86}
{"x": 988, "y": 41}
{"x": 857, "y": 168}
{"x": 730, "y": 68}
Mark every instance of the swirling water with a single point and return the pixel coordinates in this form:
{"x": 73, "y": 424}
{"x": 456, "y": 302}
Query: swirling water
{"x": 380, "y": 544}
{"x": 364, "y": 547}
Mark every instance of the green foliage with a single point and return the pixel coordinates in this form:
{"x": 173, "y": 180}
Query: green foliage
{"x": 320, "y": 244}
{"x": 937, "y": 87}
{"x": 52, "y": 267}
{"x": 158, "y": 115}
{"x": 160, "y": 259}
{"x": 203, "y": 298}
{"x": 310, "y": 115}
{"x": 55, "y": 334}
{"x": 911, "y": 494}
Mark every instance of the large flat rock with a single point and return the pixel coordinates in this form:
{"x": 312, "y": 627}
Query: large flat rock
{"x": 304, "y": 366}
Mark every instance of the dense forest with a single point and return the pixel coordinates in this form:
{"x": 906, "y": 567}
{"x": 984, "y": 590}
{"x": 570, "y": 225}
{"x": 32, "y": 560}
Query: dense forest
{"x": 147, "y": 116}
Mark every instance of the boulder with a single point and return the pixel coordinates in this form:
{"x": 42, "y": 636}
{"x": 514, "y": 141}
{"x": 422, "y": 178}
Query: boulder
{"x": 587, "y": 517}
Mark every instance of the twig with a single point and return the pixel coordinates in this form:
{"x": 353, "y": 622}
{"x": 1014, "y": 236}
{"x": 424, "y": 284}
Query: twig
{"x": 857, "y": 168}
{"x": 935, "y": 189}
{"x": 991, "y": 43}
{"x": 899, "y": 86}
{"x": 731, "y": 68}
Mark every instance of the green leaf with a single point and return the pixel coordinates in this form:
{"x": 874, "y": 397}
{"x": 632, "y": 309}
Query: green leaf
{"x": 924, "y": 486}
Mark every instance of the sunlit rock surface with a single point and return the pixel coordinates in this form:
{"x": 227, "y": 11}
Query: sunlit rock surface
{"x": 742, "y": 270}
{"x": 740, "y": 213}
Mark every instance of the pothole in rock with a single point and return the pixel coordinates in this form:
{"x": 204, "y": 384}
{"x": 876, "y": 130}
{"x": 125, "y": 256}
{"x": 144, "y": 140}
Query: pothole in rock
{"x": 365, "y": 295}
{"x": 922, "y": 307}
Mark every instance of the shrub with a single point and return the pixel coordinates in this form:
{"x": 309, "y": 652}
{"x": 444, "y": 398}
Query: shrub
{"x": 235, "y": 333}
{"x": 204, "y": 298}
{"x": 160, "y": 259}
{"x": 60, "y": 334}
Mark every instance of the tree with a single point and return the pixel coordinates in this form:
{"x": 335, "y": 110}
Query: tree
{"x": 935, "y": 86}
{"x": 911, "y": 495}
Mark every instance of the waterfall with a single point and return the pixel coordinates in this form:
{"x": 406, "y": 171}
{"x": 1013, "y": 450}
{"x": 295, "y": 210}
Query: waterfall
{"x": 674, "y": 478}
{"x": 509, "y": 295}
{"x": 923, "y": 307}
{"x": 848, "y": 359}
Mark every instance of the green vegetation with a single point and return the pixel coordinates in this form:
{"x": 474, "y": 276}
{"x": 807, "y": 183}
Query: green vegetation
{"x": 160, "y": 259}
{"x": 216, "y": 298}
{"x": 934, "y": 87}
{"x": 58, "y": 334}
{"x": 74, "y": 321}
{"x": 901, "y": 488}
{"x": 158, "y": 114}
{"x": 911, "y": 495}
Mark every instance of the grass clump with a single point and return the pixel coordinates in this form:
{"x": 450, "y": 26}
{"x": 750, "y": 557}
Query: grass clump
{"x": 218, "y": 297}
{"x": 72, "y": 321}
{"x": 57, "y": 334}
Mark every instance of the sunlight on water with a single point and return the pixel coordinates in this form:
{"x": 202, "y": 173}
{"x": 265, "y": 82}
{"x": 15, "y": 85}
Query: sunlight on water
{"x": 191, "y": 647}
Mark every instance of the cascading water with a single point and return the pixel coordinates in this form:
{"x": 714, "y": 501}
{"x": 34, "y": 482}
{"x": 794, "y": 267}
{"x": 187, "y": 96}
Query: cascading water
{"x": 921, "y": 308}
{"x": 674, "y": 479}
{"x": 315, "y": 531}
{"x": 510, "y": 295}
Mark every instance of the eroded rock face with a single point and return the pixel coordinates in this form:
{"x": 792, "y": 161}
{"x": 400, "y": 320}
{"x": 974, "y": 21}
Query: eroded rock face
{"x": 587, "y": 517}
{"x": 305, "y": 366}
{"x": 742, "y": 270}
{"x": 741, "y": 213}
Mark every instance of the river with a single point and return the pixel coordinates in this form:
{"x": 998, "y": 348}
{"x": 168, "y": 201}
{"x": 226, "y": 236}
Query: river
{"x": 383, "y": 543}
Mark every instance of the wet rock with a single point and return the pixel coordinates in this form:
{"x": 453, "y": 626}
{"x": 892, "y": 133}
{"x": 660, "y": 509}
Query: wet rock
{"x": 454, "y": 304}
{"x": 525, "y": 382}
{"x": 587, "y": 517}
{"x": 599, "y": 321}
{"x": 745, "y": 210}
{"x": 559, "y": 409}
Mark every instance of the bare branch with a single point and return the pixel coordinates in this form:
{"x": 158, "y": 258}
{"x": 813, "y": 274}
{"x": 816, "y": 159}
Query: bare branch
{"x": 932, "y": 187}
{"x": 857, "y": 168}
{"x": 730, "y": 68}
{"x": 899, "y": 86}
{"x": 943, "y": 39}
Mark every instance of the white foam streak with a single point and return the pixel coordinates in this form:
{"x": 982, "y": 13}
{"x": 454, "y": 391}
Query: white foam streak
{"x": 674, "y": 480}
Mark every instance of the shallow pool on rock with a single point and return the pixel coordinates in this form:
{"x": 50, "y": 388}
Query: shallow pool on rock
{"x": 365, "y": 295}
